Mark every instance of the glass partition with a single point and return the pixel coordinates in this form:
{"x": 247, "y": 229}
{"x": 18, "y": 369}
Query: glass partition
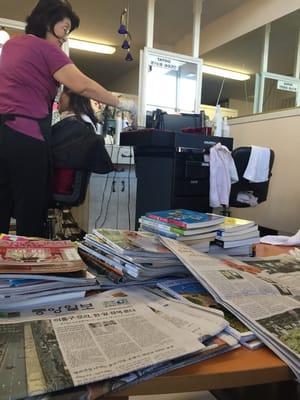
{"x": 168, "y": 81}
{"x": 274, "y": 87}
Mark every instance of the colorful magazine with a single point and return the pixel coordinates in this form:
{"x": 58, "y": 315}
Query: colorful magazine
{"x": 39, "y": 256}
{"x": 186, "y": 219}
{"x": 176, "y": 230}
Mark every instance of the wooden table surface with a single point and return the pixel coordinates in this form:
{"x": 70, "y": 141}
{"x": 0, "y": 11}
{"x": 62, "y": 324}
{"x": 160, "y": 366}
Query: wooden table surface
{"x": 266, "y": 250}
{"x": 237, "y": 368}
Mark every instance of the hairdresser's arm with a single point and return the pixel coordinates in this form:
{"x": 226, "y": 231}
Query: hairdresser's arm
{"x": 70, "y": 76}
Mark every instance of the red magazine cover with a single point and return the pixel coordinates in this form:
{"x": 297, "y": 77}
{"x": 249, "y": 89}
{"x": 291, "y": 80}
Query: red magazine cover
{"x": 39, "y": 256}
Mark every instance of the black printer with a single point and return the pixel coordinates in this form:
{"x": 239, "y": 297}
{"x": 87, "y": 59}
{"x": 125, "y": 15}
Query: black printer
{"x": 171, "y": 169}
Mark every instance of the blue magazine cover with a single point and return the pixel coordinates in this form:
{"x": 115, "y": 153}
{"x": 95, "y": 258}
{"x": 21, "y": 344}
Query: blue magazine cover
{"x": 187, "y": 219}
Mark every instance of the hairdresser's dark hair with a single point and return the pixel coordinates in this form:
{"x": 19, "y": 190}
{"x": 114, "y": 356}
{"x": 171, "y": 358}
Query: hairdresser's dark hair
{"x": 46, "y": 14}
{"x": 80, "y": 105}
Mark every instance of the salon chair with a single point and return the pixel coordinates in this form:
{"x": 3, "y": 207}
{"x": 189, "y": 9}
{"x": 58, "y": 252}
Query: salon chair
{"x": 61, "y": 224}
{"x": 241, "y": 157}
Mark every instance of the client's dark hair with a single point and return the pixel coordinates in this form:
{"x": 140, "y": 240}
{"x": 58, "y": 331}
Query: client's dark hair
{"x": 80, "y": 105}
{"x": 46, "y": 14}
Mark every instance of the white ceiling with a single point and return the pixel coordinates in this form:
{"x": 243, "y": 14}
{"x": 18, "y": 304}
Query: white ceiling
{"x": 100, "y": 22}
{"x": 173, "y": 20}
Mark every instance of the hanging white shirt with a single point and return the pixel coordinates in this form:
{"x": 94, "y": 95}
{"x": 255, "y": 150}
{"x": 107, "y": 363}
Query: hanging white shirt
{"x": 222, "y": 174}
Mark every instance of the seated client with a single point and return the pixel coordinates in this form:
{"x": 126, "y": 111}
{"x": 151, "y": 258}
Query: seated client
{"x": 75, "y": 142}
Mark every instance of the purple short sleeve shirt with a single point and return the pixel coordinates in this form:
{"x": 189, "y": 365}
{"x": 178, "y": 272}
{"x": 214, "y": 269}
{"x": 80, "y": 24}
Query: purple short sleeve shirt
{"x": 27, "y": 86}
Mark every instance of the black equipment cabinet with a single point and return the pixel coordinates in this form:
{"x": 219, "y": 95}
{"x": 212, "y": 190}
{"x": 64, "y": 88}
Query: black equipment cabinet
{"x": 171, "y": 170}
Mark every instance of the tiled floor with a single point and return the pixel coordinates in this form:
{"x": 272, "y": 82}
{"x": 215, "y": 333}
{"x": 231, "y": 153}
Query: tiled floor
{"x": 179, "y": 396}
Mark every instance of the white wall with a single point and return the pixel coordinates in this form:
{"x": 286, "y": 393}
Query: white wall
{"x": 281, "y": 132}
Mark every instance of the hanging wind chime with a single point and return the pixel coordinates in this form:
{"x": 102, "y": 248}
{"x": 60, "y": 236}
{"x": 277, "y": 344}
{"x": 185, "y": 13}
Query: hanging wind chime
{"x": 123, "y": 30}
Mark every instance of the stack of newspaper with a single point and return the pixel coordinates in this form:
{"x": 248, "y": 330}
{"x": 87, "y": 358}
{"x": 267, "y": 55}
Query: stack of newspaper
{"x": 128, "y": 255}
{"x": 33, "y": 272}
{"x": 263, "y": 293}
{"x": 195, "y": 229}
{"x": 190, "y": 290}
{"x": 115, "y": 339}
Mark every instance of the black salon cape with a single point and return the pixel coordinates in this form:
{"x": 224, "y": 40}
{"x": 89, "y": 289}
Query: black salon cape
{"x": 76, "y": 145}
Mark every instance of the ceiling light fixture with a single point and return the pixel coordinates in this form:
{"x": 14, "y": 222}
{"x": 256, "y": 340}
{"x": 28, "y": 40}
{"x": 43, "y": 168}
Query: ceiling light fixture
{"x": 224, "y": 73}
{"x": 89, "y": 46}
{"x": 4, "y": 36}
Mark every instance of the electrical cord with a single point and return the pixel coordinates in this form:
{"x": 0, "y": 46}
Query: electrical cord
{"x": 103, "y": 194}
{"x": 112, "y": 189}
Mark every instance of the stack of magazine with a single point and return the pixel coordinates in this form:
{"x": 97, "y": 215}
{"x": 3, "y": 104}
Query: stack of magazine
{"x": 262, "y": 293}
{"x": 103, "y": 343}
{"x": 236, "y": 237}
{"x": 35, "y": 272}
{"x": 125, "y": 255}
{"x": 195, "y": 229}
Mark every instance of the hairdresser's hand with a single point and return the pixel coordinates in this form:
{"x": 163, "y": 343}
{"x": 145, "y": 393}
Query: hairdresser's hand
{"x": 127, "y": 105}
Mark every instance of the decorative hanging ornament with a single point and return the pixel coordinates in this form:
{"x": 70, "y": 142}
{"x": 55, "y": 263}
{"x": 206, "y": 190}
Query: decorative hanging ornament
{"x": 128, "y": 56}
{"x": 127, "y": 42}
{"x": 123, "y": 30}
{"x": 123, "y": 23}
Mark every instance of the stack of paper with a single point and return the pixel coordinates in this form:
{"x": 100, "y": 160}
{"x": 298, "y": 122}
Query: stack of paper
{"x": 128, "y": 255}
{"x": 33, "y": 272}
{"x": 190, "y": 290}
{"x": 263, "y": 293}
{"x": 115, "y": 338}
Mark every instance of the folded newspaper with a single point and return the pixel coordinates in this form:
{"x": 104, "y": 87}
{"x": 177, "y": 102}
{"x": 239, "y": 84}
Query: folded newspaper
{"x": 190, "y": 290}
{"x": 117, "y": 337}
{"x": 263, "y": 293}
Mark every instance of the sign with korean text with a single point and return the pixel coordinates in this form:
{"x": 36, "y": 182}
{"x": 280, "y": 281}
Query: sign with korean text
{"x": 164, "y": 63}
{"x": 287, "y": 86}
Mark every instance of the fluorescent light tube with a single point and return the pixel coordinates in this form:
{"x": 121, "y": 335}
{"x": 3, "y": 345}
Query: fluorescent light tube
{"x": 225, "y": 73}
{"x": 89, "y": 46}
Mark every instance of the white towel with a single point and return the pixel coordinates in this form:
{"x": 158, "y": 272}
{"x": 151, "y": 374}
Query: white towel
{"x": 258, "y": 166}
{"x": 247, "y": 198}
{"x": 222, "y": 174}
{"x": 282, "y": 240}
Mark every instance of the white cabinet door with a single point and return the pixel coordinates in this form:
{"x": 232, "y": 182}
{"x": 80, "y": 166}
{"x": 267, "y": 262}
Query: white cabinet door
{"x": 116, "y": 209}
{"x": 126, "y": 197}
{"x": 110, "y": 202}
{"x": 111, "y": 198}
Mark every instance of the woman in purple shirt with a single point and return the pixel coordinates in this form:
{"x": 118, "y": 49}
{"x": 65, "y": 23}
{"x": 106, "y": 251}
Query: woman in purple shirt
{"x": 31, "y": 68}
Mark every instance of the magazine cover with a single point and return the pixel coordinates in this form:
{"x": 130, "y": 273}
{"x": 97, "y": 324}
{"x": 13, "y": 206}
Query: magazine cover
{"x": 39, "y": 256}
{"x": 186, "y": 218}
